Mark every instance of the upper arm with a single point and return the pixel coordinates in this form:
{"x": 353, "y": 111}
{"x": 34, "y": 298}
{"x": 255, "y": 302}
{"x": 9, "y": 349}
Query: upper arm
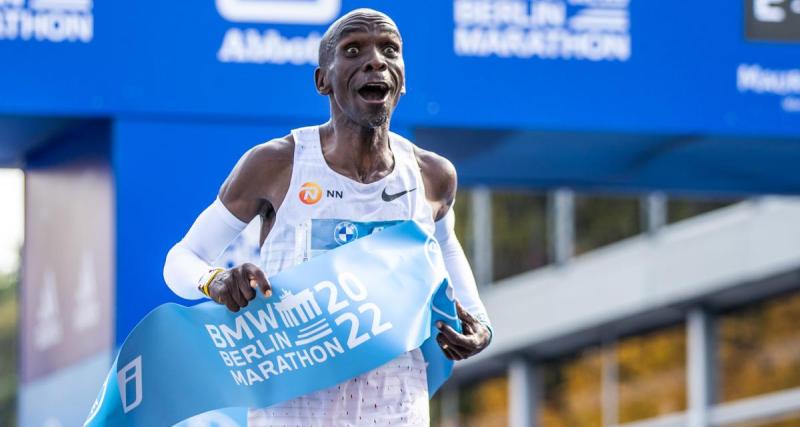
{"x": 259, "y": 180}
{"x": 440, "y": 179}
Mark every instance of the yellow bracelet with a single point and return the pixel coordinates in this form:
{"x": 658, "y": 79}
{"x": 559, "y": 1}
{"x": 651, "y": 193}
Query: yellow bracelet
{"x": 211, "y": 275}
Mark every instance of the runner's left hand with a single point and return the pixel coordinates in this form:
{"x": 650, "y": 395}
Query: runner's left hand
{"x": 473, "y": 339}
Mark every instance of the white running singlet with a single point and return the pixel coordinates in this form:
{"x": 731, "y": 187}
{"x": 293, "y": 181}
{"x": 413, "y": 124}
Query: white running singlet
{"x": 322, "y": 210}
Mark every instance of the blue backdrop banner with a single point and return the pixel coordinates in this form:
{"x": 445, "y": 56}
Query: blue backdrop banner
{"x": 332, "y": 318}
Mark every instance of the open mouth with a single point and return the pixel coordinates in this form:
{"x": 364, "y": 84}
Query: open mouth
{"x": 374, "y": 91}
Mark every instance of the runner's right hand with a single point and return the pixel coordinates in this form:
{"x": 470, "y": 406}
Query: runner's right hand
{"x": 235, "y": 288}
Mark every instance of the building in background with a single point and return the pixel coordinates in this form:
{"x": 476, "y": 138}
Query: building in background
{"x": 661, "y": 318}
{"x": 127, "y": 116}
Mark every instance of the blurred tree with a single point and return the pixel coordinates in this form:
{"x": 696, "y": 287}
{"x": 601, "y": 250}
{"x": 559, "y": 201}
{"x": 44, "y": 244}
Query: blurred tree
{"x": 519, "y": 232}
{"x": 463, "y": 213}
{"x": 573, "y": 391}
{"x": 8, "y": 349}
{"x": 759, "y": 348}
{"x": 679, "y": 209}
{"x": 600, "y": 220}
{"x": 652, "y": 374}
{"x": 484, "y": 404}
{"x": 436, "y": 410}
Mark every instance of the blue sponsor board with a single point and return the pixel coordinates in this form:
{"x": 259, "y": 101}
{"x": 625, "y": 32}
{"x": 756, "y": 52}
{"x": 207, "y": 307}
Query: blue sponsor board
{"x": 190, "y": 86}
{"x": 545, "y": 64}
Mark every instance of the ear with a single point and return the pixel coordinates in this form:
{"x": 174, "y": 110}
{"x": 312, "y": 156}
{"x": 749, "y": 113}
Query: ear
{"x": 321, "y": 82}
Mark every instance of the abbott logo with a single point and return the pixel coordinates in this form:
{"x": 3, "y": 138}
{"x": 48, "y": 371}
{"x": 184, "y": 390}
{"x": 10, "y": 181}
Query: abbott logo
{"x": 280, "y": 11}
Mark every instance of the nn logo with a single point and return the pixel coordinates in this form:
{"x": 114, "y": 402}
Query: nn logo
{"x": 311, "y": 193}
{"x": 776, "y": 20}
{"x": 280, "y": 11}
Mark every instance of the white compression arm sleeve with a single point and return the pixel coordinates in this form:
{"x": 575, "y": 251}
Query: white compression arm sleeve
{"x": 189, "y": 260}
{"x": 466, "y": 291}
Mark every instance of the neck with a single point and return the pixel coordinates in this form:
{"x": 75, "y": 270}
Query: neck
{"x": 360, "y": 153}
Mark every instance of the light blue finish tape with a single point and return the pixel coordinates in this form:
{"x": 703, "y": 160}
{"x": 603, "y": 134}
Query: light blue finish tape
{"x": 330, "y": 319}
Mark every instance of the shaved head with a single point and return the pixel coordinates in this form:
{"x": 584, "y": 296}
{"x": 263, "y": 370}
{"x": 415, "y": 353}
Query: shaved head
{"x": 361, "y": 68}
{"x": 356, "y": 20}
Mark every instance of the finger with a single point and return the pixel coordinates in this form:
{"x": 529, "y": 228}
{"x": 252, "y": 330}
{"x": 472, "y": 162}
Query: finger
{"x": 452, "y": 336}
{"x": 233, "y": 288}
{"x": 450, "y": 354}
{"x": 254, "y": 274}
{"x": 454, "y": 348}
{"x": 467, "y": 328}
{"x": 446, "y": 349}
{"x": 232, "y": 306}
{"x": 225, "y": 300}
{"x": 459, "y": 308}
{"x": 245, "y": 287}
{"x": 464, "y": 315}
{"x": 456, "y": 354}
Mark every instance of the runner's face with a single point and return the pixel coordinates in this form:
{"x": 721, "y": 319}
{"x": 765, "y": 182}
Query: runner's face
{"x": 367, "y": 74}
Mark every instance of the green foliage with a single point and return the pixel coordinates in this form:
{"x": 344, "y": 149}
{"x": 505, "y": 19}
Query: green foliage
{"x": 8, "y": 349}
{"x": 601, "y": 220}
{"x": 759, "y": 348}
{"x": 485, "y": 403}
{"x": 680, "y": 209}
{"x": 519, "y": 222}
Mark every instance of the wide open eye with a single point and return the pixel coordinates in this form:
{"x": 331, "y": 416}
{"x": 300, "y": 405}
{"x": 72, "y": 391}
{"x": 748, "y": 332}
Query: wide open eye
{"x": 351, "y": 51}
{"x": 390, "y": 51}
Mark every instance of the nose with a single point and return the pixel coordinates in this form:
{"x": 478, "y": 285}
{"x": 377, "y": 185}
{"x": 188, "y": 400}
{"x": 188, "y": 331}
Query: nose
{"x": 375, "y": 61}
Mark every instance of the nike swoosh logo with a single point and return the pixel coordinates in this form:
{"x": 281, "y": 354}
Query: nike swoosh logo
{"x": 389, "y": 197}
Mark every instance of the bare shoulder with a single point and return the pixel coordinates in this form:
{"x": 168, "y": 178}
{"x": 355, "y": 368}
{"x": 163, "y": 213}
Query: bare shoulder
{"x": 261, "y": 177}
{"x": 271, "y": 155}
{"x": 439, "y": 176}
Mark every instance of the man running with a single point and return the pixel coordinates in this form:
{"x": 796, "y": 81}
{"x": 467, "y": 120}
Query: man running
{"x": 317, "y": 188}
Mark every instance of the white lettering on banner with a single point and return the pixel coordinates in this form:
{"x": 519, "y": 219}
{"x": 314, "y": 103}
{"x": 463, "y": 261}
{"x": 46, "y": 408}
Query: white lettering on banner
{"x": 280, "y": 11}
{"x": 132, "y": 372}
{"x": 768, "y": 10}
{"x": 763, "y": 81}
{"x": 791, "y": 104}
{"x": 254, "y": 349}
{"x": 297, "y": 309}
{"x": 47, "y": 20}
{"x": 594, "y": 30}
{"x": 270, "y": 46}
{"x": 754, "y": 78}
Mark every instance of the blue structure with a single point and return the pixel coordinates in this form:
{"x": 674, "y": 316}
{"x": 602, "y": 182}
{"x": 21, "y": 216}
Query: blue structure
{"x": 165, "y": 96}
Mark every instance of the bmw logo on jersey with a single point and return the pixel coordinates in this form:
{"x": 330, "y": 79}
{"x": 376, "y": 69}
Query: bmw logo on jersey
{"x": 345, "y": 232}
